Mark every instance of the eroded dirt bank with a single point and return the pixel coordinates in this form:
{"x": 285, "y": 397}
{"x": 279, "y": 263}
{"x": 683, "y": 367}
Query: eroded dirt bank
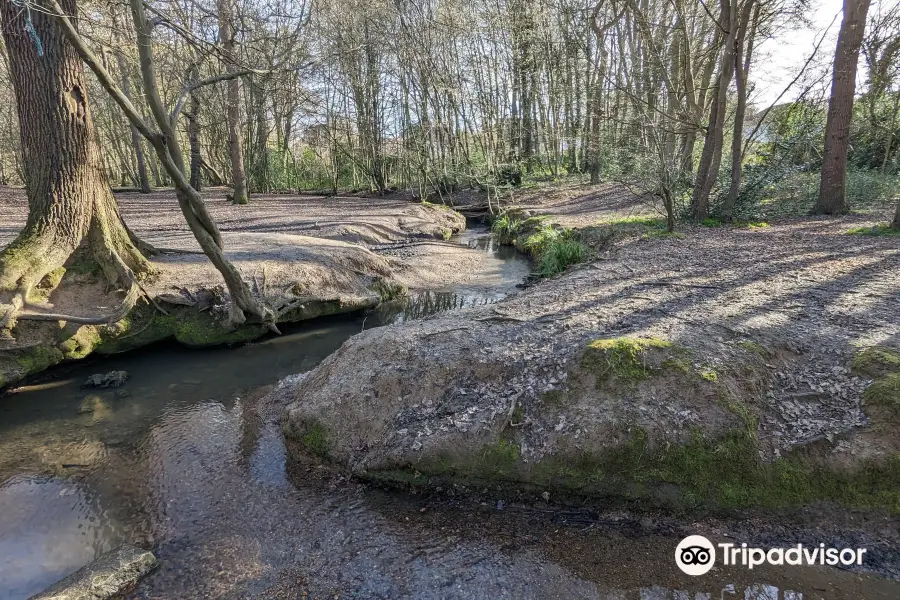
{"x": 728, "y": 368}
{"x": 306, "y": 256}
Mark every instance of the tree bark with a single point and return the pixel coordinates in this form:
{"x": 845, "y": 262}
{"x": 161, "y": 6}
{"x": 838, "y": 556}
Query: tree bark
{"x": 69, "y": 200}
{"x": 140, "y": 157}
{"x": 896, "y": 223}
{"x": 742, "y": 60}
{"x": 233, "y": 105}
{"x": 711, "y": 156}
{"x": 193, "y": 131}
{"x": 832, "y": 184}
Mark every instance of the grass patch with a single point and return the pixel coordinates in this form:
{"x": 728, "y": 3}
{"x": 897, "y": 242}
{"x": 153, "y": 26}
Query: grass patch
{"x": 877, "y": 230}
{"x": 634, "y": 221}
{"x": 622, "y": 358}
{"x": 555, "y": 249}
{"x": 737, "y": 224}
{"x": 662, "y": 233}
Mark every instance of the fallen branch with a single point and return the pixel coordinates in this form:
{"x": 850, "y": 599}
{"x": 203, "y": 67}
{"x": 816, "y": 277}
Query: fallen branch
{"x": 673, "y": 284}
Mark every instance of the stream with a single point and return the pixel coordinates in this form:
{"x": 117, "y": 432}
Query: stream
{"x": 188, "y": 459}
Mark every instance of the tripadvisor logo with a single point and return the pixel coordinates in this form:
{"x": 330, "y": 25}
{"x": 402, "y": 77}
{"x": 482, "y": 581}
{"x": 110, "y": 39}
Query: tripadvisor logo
{"x": 696, "y": 555}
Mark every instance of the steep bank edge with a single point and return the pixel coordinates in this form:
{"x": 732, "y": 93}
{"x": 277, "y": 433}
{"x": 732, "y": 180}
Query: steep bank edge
{"x": 678, "y": 416}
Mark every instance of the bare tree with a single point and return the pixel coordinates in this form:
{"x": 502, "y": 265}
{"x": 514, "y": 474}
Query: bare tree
{"x": 832, "y": 184}
{"x": 232, "y": 104}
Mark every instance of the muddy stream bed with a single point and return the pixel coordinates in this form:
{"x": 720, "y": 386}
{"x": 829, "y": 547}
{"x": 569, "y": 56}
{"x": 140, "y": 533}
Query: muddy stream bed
{"x": 188, "y": 459}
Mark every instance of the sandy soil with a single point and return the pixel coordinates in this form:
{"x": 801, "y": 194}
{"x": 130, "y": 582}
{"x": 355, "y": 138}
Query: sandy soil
{"x": 322, "y": 242}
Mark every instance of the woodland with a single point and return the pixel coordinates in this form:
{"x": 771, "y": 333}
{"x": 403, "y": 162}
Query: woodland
{"x": 497, "y": 252}
{"x": 430, "y": 98}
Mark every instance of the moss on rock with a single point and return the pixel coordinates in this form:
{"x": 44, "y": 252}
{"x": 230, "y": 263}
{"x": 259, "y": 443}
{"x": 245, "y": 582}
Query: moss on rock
{"x": 725, "y": 473}
{"x": 882, "y": 365}
{"x": 624, "y": 359}
{"x": 876, "y": 361}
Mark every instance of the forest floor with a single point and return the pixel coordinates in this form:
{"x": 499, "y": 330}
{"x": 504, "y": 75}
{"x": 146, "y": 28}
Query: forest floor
{"x": 760, "y": 329}
{"x": 320, "y": 242}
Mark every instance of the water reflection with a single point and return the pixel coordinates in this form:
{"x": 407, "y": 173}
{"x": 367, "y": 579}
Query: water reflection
{"x": 50, "y": 527}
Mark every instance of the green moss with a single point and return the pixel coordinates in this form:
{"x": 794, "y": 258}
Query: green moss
{"x": 876, "y": 361}
{"x": 621, "y": 358}
{"x": 709, "y": 375}
{"x": 37, "y": 358}
{"x": 315, "y": 440}
{"x": 446, "y": 234}
{"x": 751, "y": 346}
{"x": 679, "y": 363}
{"x": 518, "y": 415}
{"x": 81, "y": 343}
{"x": 885, "y": 392}
{"x": 883, "y": 366}
{"x": 711, "y": 222}
{"x": 553, "y": 398}
{"x": 877, "y": 230}
{"x": 388, "y": 290}
{"x": 702, "y": 472}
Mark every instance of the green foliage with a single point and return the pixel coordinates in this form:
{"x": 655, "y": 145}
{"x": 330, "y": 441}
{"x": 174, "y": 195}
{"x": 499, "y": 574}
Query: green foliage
{"x": 555, "y": 249}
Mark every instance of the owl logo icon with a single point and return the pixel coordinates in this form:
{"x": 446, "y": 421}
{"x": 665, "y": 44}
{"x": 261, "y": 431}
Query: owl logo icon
{"x": 695, "y": 555}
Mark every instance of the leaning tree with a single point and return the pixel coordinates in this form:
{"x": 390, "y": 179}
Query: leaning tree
{"x": 70, "y": 205}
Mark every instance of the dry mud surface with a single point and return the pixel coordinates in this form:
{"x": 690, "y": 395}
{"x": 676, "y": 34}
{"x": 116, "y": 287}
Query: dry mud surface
{"x": 323, "y": 240}
{"x": 769, "y": 319}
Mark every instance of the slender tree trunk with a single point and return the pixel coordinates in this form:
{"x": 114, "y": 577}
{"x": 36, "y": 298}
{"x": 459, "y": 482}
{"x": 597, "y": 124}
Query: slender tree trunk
{"x": 69, "y": 200}
{"x": 742, "y": 60}
{"x": 233, "y": 105}
{"x": 832, "y": 185}
{"x": 193, "y": 131}
{"x": 711, "y": 156}
{"x": 896, "y": 223}
{"x": 140, "y": 157}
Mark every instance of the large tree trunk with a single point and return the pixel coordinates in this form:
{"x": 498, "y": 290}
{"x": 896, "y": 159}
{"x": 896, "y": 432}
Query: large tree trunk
{"x": 69, "y": 199}
{"x": 233, "y": 105}
{"x": 832, "y": 185}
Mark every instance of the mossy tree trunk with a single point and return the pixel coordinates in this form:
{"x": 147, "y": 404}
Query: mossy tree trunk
{"x": 70, "y": 204}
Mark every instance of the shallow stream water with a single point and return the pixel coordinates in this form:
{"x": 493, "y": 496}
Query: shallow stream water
{"x": 190, "y": 461}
